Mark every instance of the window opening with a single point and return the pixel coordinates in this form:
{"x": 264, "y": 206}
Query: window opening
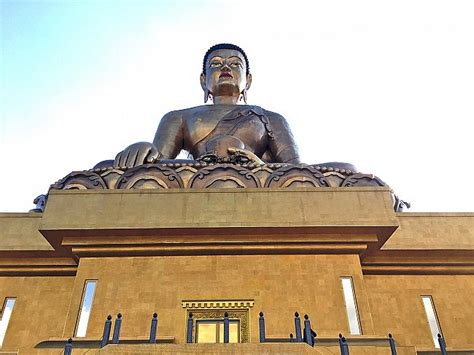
{"x": 212, "y": 331}
{"x": 351, "y": 306}
{"x": 432, "y": 318}
{"x": 86, "y": 305}
{"x": 5, "y": 315}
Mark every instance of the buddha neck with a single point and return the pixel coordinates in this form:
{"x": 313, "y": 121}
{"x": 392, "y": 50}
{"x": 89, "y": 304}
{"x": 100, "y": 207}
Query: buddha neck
{"x": 226, "y": 100}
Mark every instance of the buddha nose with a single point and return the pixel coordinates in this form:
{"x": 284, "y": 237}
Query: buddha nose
{"x": 226, "y": 67}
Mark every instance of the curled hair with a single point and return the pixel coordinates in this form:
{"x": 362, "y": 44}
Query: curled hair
{"x": 225, "y": 46}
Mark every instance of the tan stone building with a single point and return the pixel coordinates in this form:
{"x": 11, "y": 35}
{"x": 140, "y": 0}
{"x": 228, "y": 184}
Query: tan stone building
{"x": 340, "y": 255}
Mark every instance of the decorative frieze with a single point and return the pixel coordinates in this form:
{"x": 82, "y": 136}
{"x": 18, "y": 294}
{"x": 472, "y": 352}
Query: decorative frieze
{"x": 217, "y": 304}
{"x": 193, "y": 174}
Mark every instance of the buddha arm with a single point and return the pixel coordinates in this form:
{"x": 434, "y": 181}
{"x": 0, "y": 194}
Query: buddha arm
{"x": 283, "y": 148}
{"x": 169, "y": 135}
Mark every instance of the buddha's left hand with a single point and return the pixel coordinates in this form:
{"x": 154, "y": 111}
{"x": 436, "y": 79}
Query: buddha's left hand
{"x": 244, "y": 156}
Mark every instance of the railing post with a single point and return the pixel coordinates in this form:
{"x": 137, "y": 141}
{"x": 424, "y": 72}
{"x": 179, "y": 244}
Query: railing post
{"x": 117, "y": 326}
{"x": 393, "y": 349}
{"x": 261, "y": 324}
{"x": 106, "y": 334}
{"x": 343, "y": 345}
{"x": 308, "y": 333}
{"x": 299, "y": 337}
{"x": 442, "y": 344}
{"x": 189, "y": 336}
{"x": 68, "y": 347}
{"x": 153, "y": 328}
{"x": 226, "y": 327}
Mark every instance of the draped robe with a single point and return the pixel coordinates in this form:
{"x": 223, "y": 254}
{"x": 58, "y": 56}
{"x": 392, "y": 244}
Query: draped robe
{"x": 262, "y": 132}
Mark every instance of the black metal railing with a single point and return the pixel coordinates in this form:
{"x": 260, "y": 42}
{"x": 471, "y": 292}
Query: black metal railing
{"x": 302, "y": 335}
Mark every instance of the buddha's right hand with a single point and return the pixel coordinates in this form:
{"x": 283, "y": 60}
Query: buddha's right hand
{"x": 137, "y": 154}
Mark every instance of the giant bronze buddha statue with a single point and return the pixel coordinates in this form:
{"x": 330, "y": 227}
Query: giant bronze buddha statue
{"x": 231, "y": 144}
{"x": 229, "y": 130}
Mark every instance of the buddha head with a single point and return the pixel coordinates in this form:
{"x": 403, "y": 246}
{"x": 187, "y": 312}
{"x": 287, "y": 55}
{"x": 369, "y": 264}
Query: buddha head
{"x": 225, "y": 73}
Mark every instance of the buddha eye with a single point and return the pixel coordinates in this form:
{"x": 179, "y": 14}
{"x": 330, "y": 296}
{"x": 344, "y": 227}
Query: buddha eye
{"x": 215, "y": 64}
{"x": 236, "y": 64}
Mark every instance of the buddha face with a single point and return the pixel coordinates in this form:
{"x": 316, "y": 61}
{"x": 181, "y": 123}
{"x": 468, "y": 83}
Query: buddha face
{"x": 225, "y": 73}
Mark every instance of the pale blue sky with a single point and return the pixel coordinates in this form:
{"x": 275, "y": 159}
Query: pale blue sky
{"x": 51, "y": 46}
{"x": 387, "y": 86}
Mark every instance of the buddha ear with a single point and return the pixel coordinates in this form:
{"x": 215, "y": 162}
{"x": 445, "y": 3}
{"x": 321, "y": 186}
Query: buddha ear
{"x": 249, "y": 81}
{"x": 203, "y": 86}
{"x": 247, "y": 86}
{"x": 203, "y": 81}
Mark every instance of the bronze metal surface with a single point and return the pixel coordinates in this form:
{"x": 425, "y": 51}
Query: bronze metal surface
{"x": 225, "y": 131}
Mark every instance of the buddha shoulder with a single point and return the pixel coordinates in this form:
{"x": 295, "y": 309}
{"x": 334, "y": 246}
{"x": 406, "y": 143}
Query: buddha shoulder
{"x": 274, "y": 116}
{"x": 188, "y": 112}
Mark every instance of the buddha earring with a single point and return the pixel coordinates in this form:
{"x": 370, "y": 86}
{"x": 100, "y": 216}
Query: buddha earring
{"x": 206, "y": 95}
{"x": 244, "y": 95}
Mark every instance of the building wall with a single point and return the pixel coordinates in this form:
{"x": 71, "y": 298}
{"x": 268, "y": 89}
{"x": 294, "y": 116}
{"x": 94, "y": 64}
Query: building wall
{"x": 395, "y": 301}
{"x": 40, "y": 309}
{"x": 47, "y": 307}
{"x": 279, "y": 284}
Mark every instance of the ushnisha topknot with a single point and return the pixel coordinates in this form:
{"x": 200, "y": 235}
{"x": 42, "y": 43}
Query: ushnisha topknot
{"x": 225, "y": 46}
